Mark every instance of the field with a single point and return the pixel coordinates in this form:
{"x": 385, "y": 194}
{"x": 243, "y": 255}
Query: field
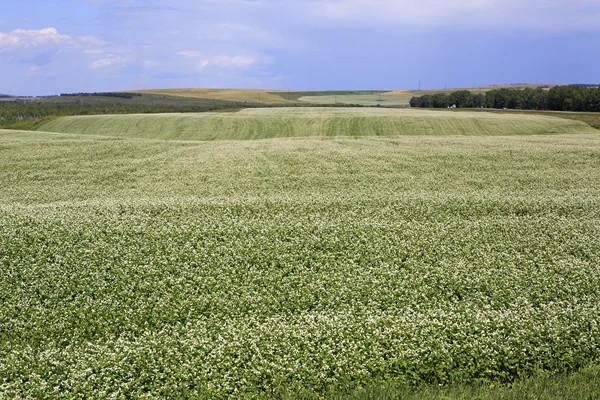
{"x": 393, "y": 98}
{"x": 473, "y": 89}
{"x": 367, "y": 99}
{"x": 455, "y": 249}
{"x": 238, "y": 95}
{"x": 311, "y": 122}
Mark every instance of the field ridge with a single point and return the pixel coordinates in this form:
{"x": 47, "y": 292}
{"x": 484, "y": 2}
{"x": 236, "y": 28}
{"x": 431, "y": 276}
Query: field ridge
{"x": 249, "y": 124}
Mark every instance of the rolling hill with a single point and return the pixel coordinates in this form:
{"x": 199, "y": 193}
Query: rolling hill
{"x": 312, "y": 122}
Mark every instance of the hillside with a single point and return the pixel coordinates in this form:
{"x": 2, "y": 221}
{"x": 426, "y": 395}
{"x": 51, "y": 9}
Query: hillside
{"x": 393, "y": 98}
{"x": 312, "y": 122}
{"x": 238, "y": 95}
{"x": 473, "y": 89}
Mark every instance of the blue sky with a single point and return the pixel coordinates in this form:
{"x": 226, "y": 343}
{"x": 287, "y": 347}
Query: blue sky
{"x": 54, "y": 46}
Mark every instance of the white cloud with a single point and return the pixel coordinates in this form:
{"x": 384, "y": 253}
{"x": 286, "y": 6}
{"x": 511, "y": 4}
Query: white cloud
{"x": 23, "y": 39}
{"x": 202, "y": 60}
{"x": 34, "y": 70}
{"x": 107, "y": 61}
{"x": 151, "y": 63}
{"x": 235, "y": 61}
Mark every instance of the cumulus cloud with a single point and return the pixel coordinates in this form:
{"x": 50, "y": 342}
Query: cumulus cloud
{"x": 23, "y": 38}
{"x": 202, "y": 60}
{"x": 107, "y": 61}
{"x": 38, "y": 49}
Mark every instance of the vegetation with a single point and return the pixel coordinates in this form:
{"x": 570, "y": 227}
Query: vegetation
{"x": 558, "y": 98}
{"x": 121, "y": 95}
{"x": 302, "y": 122}
{"x": 296, "y": 95}
{"x": 364, "y": 99}
{"x": 590, "y": 118}
{"x": 584, "y": 384}
{"x": 237, "y": 95}
{"x": 26, "y": 114}
{"x": 156, "y": 268}
{"x": 479, "y": 89}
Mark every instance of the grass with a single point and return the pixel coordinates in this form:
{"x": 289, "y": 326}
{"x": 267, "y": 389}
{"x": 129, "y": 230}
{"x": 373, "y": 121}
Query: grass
{"x": 590, "y": 118}
{"x": 253, "y": 268}
{"x": 311, "y": 122}
{"x": 583, "y": 384}
{"x": 295, "y": 95}
{"x": 363, "y": 99}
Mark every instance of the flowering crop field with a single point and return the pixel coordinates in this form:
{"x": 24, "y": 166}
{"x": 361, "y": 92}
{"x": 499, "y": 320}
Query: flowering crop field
{"x": 135, "y": 268}
{"x": 264, "y": 123}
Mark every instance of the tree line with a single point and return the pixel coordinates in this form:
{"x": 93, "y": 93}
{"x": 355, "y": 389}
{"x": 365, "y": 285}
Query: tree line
{"x": 120, "y": 95}
{"x": 558, "y": 98}
{"x": 25, "y": 115}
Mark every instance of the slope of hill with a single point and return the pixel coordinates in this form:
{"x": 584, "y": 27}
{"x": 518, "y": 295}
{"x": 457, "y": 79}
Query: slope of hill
{"x": 239, "y": 95}
{"x": 312, "y": 122}
{"x": 474, "y": 89}
{"x": 393, "y": 98}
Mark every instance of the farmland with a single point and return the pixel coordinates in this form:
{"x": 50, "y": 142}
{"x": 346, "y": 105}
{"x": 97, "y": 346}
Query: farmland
{"x": 367, "y": 99}
{"x": 387, "y": 98}
{"x": 169, "y": 255}
{"x": 239, "y": 95}
{"x": 312, "y": 122}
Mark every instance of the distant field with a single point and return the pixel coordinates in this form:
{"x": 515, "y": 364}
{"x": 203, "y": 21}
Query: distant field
{"x": 312, "y": 122}
{"x": 474, "y": 89}
{"x": 393, "y": 98}
{"x": 367, "y": 99}
{"x": 400, "y": 98}
{"x": 238, "y": 95}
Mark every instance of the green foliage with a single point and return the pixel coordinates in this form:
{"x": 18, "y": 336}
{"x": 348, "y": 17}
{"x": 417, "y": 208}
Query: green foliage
{"x": 150, "y": 268}
{"x": 120, "y": 95}
{"x": 558, "y": 98}
{"x": 27, "y": 114}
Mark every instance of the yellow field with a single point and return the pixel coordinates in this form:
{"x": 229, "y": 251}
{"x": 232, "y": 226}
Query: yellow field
{"x": 241, "y": 95}
{"x": 268, "y": 96}
{"x": 475, "y": 89}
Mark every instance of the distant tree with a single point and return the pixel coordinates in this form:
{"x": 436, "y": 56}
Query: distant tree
{"x": 427, "y": 101}
{"x": 558, "y": 98}
{"x": 440, "y": 100}
{"x": 416, "y": 102}
{"x": 462, "y": 99}
{"x": 478, "y": 100}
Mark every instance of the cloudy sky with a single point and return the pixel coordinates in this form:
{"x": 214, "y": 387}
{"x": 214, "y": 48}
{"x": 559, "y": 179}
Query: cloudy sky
{"x": 54, "y": 46}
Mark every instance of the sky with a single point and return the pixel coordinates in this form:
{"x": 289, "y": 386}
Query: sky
{"x": 64, "y": 46}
